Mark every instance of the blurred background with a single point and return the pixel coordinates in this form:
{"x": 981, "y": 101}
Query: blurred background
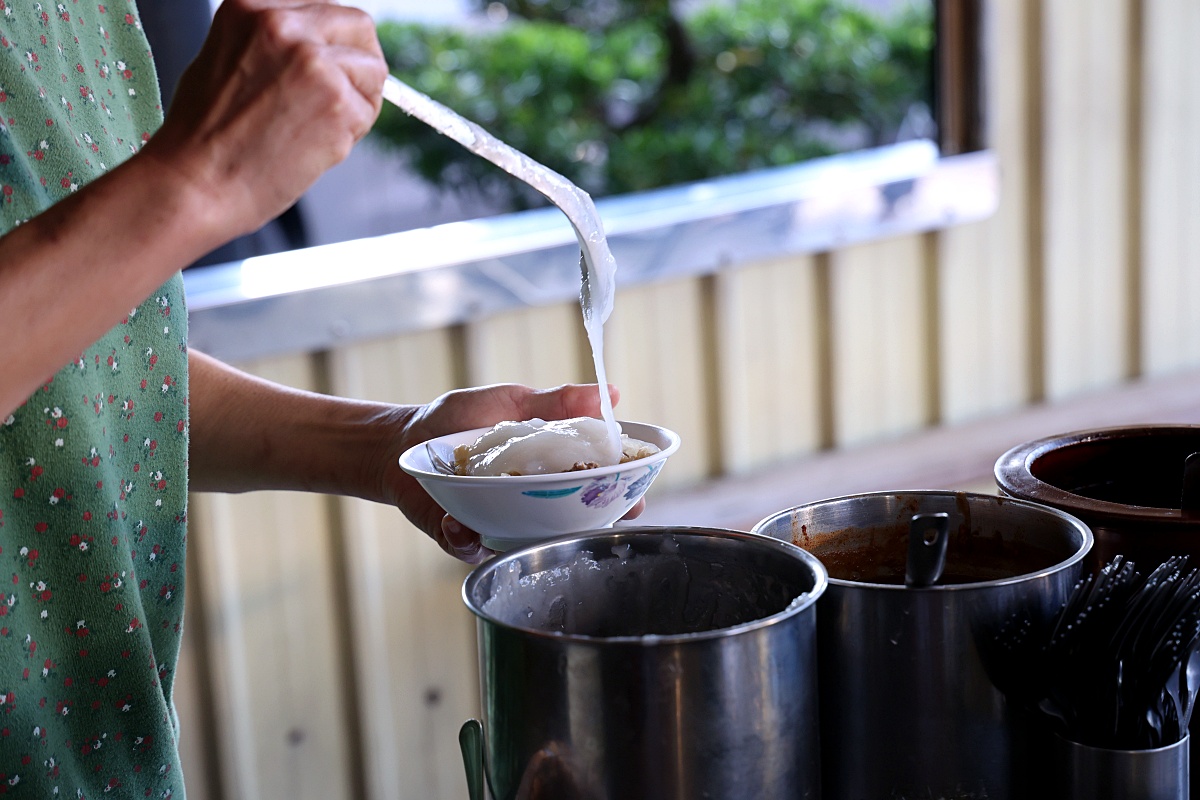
{"x": 327, "y": 651}
{"x": 640, "y": 95}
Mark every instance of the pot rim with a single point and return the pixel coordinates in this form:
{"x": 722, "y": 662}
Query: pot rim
{"x": 616, "y": 536}
{"x": 1013, "y": 472}
{"x": 1079, "y": 525}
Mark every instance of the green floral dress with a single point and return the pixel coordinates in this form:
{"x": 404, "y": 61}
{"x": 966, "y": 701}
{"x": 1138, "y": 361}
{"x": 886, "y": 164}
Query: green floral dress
{"x": 93, "y": 466}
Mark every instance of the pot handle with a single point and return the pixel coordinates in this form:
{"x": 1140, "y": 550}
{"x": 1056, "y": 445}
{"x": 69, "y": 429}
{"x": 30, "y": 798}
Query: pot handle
{"x": 1189, "y": 501}
{"x": 470, "y": 740}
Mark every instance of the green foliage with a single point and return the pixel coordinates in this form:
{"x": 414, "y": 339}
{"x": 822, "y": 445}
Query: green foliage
{"x": 637, "y": 101}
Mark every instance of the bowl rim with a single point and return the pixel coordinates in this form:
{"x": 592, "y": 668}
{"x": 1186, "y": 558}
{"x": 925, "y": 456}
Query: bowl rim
{"x": 408, "y": 457}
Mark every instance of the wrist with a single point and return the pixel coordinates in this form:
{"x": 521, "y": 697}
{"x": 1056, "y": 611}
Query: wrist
{"x": 189, "y": 191}
{"x": 382, "y": 463}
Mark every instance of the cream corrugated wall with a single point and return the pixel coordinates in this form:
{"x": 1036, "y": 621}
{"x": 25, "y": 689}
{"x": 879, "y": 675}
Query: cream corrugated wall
{"x": 327, "y": 652}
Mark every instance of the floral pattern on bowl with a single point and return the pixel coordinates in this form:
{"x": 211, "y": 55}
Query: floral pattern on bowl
{"x": 600, "y": 492}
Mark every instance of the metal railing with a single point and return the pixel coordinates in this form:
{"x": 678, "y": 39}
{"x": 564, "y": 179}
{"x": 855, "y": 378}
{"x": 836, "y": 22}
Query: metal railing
{"x": 317, "y": 298}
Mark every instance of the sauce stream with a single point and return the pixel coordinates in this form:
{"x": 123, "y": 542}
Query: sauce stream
{"x": 597, "y": 265}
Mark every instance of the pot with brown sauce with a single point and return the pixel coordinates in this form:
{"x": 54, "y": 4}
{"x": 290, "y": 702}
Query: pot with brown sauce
{"x": 909, "y": 702}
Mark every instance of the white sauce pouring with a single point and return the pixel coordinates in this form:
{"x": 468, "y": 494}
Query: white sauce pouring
{"x": 597, "y": 264}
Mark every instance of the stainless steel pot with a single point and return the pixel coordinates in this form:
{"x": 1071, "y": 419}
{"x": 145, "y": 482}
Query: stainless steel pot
{"x": 1093, "y": 773}
{"x": 650, "y": 663}
{"x": 909, "y": 704}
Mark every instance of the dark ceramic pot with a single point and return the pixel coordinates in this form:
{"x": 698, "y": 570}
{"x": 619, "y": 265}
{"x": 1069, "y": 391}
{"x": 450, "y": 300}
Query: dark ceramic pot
{"x": 1126, "y": 484}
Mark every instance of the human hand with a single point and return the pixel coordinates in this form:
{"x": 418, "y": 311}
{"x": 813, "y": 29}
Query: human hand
{"x": 463, "y": 410}
{"x": 280, "y": 92}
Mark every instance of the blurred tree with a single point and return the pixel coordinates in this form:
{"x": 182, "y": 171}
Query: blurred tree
{"x": 623, "y": 96}
{"x": 602, "y": 16}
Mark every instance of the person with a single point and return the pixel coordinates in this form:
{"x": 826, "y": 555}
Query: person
{"x": 102, "y": 202}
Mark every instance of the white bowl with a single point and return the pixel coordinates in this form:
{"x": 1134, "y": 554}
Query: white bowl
{"x": 511, "y": 511}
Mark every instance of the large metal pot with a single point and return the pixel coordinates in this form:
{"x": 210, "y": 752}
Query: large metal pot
{"x": 650, "y": 663}
{"x": 909, "y": 702}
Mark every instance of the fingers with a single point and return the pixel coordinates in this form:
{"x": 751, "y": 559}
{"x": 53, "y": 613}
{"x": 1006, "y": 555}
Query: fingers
{"x": 340, "y": 25}
{"x": 317, "y": 35}
{"x": 366, "y": 75}
{"x": 463, "y": 543}
{"x": 280, "y": 92}
{"x": 319, "y": 23}
{"x": 450, "y": 534}
{"x": 484, "y": 406}
{"x": 570, "y": 400}
{"x": 345, "y": 39}
{"x": 637, "y": 510}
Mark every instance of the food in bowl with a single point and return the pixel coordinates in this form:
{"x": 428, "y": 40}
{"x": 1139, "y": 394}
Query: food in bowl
{"x": 538, "y": 447}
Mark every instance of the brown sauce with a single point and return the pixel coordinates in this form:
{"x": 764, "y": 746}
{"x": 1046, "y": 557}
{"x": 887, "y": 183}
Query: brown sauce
{"x": 879, "y": 555}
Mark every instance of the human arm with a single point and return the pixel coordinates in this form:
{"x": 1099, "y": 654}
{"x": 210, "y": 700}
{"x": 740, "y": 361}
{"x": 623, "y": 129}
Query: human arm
{"x": 278, "y": 94}
{"x": 248, "y": 433}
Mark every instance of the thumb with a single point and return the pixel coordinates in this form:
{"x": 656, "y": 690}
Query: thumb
{"x": 568, "y": 400}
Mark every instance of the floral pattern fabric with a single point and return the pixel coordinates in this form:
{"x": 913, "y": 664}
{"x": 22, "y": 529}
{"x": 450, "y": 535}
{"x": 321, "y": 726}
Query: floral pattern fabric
{"x": 93, "y": 483}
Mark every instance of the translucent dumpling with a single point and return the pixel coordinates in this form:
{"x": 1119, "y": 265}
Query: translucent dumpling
{"x": 537, "y": 447}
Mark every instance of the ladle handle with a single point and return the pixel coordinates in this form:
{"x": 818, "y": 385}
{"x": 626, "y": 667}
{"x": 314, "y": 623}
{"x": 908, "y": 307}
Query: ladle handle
{"x": 928, "y": 537}
{"x": 470, "y": 739}
{"x": 575, "y": 203}
{"x": 1189, "y": 501}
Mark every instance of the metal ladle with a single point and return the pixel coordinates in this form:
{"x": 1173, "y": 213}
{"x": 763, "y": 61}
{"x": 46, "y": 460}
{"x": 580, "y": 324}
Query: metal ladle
{"x": 438, "y": 463}
{"x": 1189, "y": 501}
{"x": 575, "y": 203}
